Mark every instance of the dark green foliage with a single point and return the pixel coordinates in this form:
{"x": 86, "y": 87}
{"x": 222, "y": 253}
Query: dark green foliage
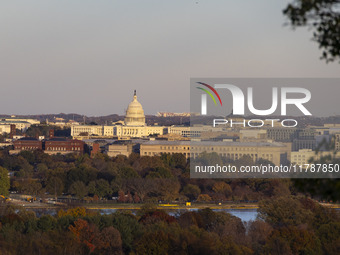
{"x": 323, "y": 189}
{"x": 4, "y": 182}
{"x": 42, "y": 130}
{"x": 142, "y": 178}
{"x": 78, "y": 189}
{"x": 191, "y": 191}
{"x": 46, "y": 223}
{"x": 129, "y": 228}
{"x": 323, "y": 16}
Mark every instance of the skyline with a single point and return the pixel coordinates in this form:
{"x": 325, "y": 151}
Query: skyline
{"x": 87, "y": 57}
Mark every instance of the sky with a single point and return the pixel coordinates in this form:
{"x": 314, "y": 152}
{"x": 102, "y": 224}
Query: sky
{"x": 87, "y": 56}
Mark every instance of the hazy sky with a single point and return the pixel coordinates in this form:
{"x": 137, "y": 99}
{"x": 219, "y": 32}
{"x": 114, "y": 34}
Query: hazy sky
{"x": 87, "y": 56}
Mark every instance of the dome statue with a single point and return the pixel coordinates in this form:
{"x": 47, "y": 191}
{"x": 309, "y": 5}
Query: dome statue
{"x": 135, "y": 113}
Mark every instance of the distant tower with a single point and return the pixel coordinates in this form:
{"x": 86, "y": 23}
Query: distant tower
{"x": 13, "y": 131}
{"x": 51, "y": 133}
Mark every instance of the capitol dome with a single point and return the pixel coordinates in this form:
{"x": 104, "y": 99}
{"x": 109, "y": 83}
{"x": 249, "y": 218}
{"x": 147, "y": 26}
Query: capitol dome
{"x": 135, "y": 113}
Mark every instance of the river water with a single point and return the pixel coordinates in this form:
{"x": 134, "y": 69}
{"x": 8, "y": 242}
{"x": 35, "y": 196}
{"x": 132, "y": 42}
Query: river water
{"x": 244, "y": 214}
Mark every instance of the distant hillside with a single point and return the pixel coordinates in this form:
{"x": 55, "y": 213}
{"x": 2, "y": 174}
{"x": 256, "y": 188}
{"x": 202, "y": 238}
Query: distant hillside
{"x": 165, "y": 121}
{"x": 102, "y": 120}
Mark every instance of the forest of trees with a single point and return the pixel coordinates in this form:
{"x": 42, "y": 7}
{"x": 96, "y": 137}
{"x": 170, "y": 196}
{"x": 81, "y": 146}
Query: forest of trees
{"x": 323, "y": 18}
{"x": 131, "y": 179}
{"x": 286, "y": 225}
{"x": 288, "y": 222}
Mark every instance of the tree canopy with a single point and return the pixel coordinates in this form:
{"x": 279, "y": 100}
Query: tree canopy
{"x": 323, "y": 16}
{"x": 4, "y": 181}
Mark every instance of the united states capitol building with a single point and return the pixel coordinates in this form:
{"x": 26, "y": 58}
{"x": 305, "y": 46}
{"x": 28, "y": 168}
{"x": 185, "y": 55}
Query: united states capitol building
{"x": 133, "y": 126}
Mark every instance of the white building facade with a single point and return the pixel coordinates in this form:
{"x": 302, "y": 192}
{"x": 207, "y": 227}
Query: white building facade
{"x": 134, "y": 125}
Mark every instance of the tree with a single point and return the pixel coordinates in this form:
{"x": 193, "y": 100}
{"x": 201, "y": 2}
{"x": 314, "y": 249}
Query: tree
{"x": 222, "y": 188}
{"x": 259, "y": 231}
{"x": 110, "y": 242}
{"x": 293, "y": 240}
{"x": 4, "y": 182}
{"x": 204, "y": 198}
{"x": 153, "y": 243}
{"x": 128, "y": 172}
{"x": 78, "y": 189}
{"x": 74, "y": 212}
{"x": 86, "y": 234}
{"x": 28, "y": 186}
{"x": 121, "y": 197}
{"x": 160, "y": 172}
{"x": 55, "y": 186}
{"x": 191, "y": 191}
{"x": 326, "y": 188}
{"x": 324, "y": 17}
{"x": 83, "y": 172}
{"x": 167, "y": 189}
{"x": 136, "y": 199}
{"x": 102, "y": 188}
{"x": 284, "y": 212}
{"x": 46, "y": 222}
{"x": 128, "y": 227}
{"x": 140, "y": 186}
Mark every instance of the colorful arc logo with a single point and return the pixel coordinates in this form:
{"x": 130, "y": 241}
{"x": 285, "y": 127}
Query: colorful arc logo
{"x": 209, "y": 93}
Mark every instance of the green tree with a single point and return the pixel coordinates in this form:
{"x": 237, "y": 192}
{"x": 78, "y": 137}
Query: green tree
{"x": 128, "y": 172}
{"x": 101, "y": 188}
{"x": 78, "y": 189}
{"x": 160, "y": 172}
{"x": 129, "y": 228}
{"x": 46, "y": 222}
{"x": 55, "y": 186}
{"x": 4, "y": 182}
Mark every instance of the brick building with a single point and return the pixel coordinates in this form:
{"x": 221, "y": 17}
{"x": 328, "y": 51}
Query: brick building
{"x": 28, "y": 144}
{"x": 62, "y": 145}
{"x": 51, "y": 146}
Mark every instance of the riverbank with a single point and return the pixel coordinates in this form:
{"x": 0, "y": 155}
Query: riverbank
{"x": 238, "y": 206}
{"x": 133, "y": 206}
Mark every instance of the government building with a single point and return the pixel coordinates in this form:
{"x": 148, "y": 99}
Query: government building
{"x": 278, "y": 153}
{"x": 133, "y": 126}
